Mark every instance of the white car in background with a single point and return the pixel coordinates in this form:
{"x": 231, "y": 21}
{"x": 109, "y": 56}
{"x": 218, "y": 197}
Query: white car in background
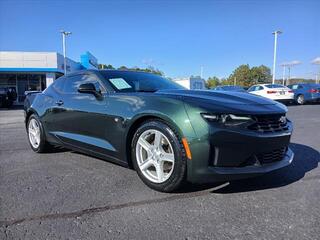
{"x": 275, "y": 92}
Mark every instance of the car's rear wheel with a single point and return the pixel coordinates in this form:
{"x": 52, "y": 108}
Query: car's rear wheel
{"x": 36, "y": 135}
{"x": 158, "y": 156}
{"x": 300, "y": 99}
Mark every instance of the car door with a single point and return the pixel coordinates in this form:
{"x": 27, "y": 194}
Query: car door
{"x": 54, "y": 112}
{"x": 86, "y": 116}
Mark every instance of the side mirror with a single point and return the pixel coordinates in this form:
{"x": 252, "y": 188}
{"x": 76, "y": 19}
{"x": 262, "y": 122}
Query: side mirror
{"x": 89, "y": 88}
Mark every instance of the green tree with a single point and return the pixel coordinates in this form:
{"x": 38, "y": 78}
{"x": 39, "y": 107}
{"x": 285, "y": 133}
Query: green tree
{"x": 226, "y": 81}
{"x": 246, "y": 76}
{"x": 212, "y": 82}
{"x": 261, "y": 74}
{"x": 105, "y": 66}
{"x": 149, "y": 69}
{"x": 241, "y": 76}
{"x": 123, "y": 68}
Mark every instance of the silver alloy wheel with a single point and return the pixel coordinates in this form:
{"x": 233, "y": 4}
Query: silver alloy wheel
{"x": 155, "y": 156}
{"x": 34, "y": 133}
{"x": 300, "y": 99}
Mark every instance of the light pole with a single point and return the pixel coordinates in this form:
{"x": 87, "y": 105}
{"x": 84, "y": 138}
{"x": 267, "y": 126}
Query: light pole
{"x": 275, "y": 33}
{"x": 64, "y": 34}
{"x": 289, "y": 72}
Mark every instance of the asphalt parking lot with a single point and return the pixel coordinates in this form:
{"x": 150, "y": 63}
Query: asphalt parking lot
{"x": 68, "y": 195}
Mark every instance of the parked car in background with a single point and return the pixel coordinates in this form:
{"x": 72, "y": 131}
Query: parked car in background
{"x": 305, "y": 92}
{"x": 7, "y": 96}
{"x": 232, "y": 88}
{"x": 275, "y": 92}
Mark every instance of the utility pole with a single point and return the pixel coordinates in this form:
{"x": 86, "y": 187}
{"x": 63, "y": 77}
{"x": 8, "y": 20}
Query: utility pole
{"x": 275, "y": 33}
{"x": 289, "y": 69}
{"x": 64, "y": 34}
{"x": 289, "y": 65}
{"x": 316, "y": 61}
{"x": 235, "y": 81}
{"x": 283, "y": 74}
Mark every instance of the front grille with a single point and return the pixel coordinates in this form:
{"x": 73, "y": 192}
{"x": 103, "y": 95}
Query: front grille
{"x": 273, "y": 156}
{"x": 269, "y": 124}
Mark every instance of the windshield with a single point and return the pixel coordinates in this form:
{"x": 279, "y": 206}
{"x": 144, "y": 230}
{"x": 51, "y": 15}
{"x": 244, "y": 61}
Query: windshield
{"x": 275, "y": 86}
{"x": 138, "y": 81}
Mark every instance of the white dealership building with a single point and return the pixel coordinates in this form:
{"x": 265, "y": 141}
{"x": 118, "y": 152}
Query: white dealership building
{"x": 34, "y": 71}
{"x": 191, "y": 82}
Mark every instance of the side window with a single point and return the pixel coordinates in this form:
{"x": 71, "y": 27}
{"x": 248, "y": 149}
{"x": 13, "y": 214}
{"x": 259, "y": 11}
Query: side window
{"x": 300, "y": 86}
{"x": 73, "y": 82}
{"x": 93, "y": 79}
{"x": 251, "y": 89}
{"x": 59, "y": 84}
{"x": 260, "y": 88}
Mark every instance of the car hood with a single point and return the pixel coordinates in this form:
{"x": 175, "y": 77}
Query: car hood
{"x": 225, "y": 101}
{"x": 223, "y": 97}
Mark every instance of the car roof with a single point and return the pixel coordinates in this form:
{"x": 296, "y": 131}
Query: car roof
{"x": 304, "y": 84}
{"x": 86, "y": 71}
{"x": 265, "y": 84}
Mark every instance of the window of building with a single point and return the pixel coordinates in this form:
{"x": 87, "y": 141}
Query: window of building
{"x": 8, "y": 80}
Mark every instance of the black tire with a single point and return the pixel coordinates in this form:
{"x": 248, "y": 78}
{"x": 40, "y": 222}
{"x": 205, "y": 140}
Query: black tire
{"x": 44, "y": 146}
{"x": 178, "y": 176}
{"x": 300, "y": 99}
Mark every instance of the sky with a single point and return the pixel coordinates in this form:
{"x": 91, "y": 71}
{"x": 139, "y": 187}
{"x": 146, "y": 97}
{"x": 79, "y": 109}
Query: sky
{"x": 176, "y": 36}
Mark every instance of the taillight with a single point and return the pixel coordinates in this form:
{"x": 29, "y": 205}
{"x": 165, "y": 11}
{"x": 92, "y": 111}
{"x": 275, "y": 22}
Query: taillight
{"x": 270, "y": 92}
{"x": 290, "y": 91}
{"x": 313, "y": 90}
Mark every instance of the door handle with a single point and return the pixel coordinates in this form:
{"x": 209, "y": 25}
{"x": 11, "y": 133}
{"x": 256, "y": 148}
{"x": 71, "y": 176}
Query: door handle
{"x": 59, "y": 103}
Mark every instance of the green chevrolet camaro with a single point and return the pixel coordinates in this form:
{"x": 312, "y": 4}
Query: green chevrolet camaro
{"x": 168, "y": 134}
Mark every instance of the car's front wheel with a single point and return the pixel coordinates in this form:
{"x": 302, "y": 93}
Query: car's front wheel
{"x": 36, "y": 135}
{"x": 158, "y": 156}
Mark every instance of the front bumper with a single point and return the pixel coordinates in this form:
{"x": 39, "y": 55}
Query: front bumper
{"x": 227, "y": 173}
{"x": 225, "y": 155}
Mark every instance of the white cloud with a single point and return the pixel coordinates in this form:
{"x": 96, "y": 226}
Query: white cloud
{"x": 316, "y": 60}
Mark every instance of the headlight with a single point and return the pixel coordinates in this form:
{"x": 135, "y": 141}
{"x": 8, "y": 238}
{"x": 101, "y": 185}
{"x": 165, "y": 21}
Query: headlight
{"x": 227, "y": 119}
